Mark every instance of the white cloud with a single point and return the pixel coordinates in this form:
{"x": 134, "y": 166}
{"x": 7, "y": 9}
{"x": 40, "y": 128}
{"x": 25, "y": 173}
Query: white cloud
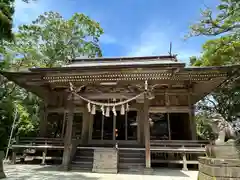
{"x": 155, "y": 40}
{"x": 151, "y": 42}
{"x": 107, "y": 39}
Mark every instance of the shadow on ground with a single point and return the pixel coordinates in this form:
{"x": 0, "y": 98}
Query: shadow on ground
{"x": 44, "y": 173}
{"x": 36, "y": 172}
{"x": 158, "y": 172}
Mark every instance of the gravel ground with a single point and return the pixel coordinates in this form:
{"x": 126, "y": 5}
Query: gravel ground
{"x": 37, "y": 172}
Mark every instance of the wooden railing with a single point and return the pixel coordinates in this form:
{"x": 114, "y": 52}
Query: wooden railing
{"x": 31, "y": 145}
{"x": 177, "y": 151}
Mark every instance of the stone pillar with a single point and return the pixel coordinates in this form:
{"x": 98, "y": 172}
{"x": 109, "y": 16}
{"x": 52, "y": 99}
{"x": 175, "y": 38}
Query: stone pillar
{"x": 85, "y": 127}
{"x": 68, "y": 135}
{"x": 43, "y": 121}
{"x": 147, "y": 133}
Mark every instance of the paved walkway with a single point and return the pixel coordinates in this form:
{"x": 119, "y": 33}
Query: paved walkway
{"x": 36, "y": 172}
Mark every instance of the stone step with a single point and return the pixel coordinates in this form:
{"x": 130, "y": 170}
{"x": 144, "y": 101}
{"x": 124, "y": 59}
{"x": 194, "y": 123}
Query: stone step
{"x": 82, "y": 162}
{"x": 84, "y": 153}
{"x": 80, "y": 168}
{"x": 131, "y": 165}
{"x": 131, "y": 160}
{"x": 141, "y": 156}
{"x": 82, "y": 165}
{"x": 83, "y": 157}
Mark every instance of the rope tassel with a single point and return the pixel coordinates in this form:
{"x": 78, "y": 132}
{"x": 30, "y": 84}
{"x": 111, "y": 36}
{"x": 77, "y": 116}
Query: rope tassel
{"x": 122, "y": 110}
{"x": 102, "y": 109}
{"x": 114, "y": 111}
{"x": 94, "y": 109}
{"x": 89, "y": 107}
{"x": 107, "y": 112}
{"x": 127, "y": 107}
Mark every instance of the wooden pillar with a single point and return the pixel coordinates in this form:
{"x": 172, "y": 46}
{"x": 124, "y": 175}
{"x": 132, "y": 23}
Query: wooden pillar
{"x": 90, "y": 127}
{"x": 63, "y": 124}
{"x": 141, "y": 124}
{"x": 102, "y": 127}
{"x": 169, "y": 127}
{"x": 43, "y": 121}
{"x": 68, "y": 135}
{"x": 191, "y": 116}
{"x": 114, "y": 127}
{"x": 138, "y": 126}
{"x": 85, "y": 126}
{"x": 147, "y": 132}
{"x": 193, "y": 124}
{"x": 126, "y": 125}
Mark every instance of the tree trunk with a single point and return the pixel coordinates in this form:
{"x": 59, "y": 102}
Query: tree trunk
{"x": 2, "y": 174}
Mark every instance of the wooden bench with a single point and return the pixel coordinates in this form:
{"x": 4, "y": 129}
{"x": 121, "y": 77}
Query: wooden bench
{"x": 44, "y": 144}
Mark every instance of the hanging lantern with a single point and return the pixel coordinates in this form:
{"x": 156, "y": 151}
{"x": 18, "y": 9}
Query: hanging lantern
{"x": 107, "y": 112}
{"x": 114, "y": 111}
{"x": 127, "y": 107}
{"x": 93, "y": 109}
{"x": 89, "y": 107}
{"x": 122, "y": 112}
{"x": 102, "y": 109}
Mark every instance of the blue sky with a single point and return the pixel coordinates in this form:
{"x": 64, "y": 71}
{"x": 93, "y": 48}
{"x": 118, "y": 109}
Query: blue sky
{"x": 132, "y": 27}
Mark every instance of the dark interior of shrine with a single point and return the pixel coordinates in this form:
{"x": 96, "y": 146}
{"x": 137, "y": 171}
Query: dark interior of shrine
{"x": 125, "y": 126}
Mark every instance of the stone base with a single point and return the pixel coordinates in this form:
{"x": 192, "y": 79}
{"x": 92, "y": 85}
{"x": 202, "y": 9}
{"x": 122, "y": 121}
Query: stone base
{"x": 105, "y": 160}
{"x": 219, "y": 169}
{"x": 99, "y": 170}
{"x": 148, "y": 171}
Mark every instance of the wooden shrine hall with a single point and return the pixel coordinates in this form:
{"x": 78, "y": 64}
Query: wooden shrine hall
{"x": 108, "y": 114}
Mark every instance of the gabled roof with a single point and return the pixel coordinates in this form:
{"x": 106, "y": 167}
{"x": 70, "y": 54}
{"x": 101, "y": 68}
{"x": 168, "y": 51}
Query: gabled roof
{"x": 158, "y": 69}
{"x": 120, "y": 62}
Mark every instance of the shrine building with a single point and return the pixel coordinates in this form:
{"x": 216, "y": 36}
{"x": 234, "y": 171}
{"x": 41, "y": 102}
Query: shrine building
{"x": 109, "y": 114}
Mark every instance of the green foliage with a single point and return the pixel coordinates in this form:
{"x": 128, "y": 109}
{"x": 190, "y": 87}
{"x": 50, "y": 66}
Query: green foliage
{"x": 220, "y": 51}
{"x": 223, "y": 50}
{"x": 49, "y": 41}
{"x": 226, "y": 21}
{"x": 6, "y": 13}
{"x": 53, "y": 41}
{"x": 204, "y": 129}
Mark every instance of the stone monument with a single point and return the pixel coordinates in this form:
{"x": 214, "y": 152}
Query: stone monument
{"x": 223, "y": 157}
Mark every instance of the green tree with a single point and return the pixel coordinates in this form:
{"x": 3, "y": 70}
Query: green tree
{"x": 224, "y": 49}
{"x": 226, "y": 21}
{"x": 6, "y": 20}
{"x": 49, "y": 41}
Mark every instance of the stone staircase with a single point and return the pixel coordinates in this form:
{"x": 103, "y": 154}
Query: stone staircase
{"x": 131, "y": 160}
{"x": 83, "y": 160}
